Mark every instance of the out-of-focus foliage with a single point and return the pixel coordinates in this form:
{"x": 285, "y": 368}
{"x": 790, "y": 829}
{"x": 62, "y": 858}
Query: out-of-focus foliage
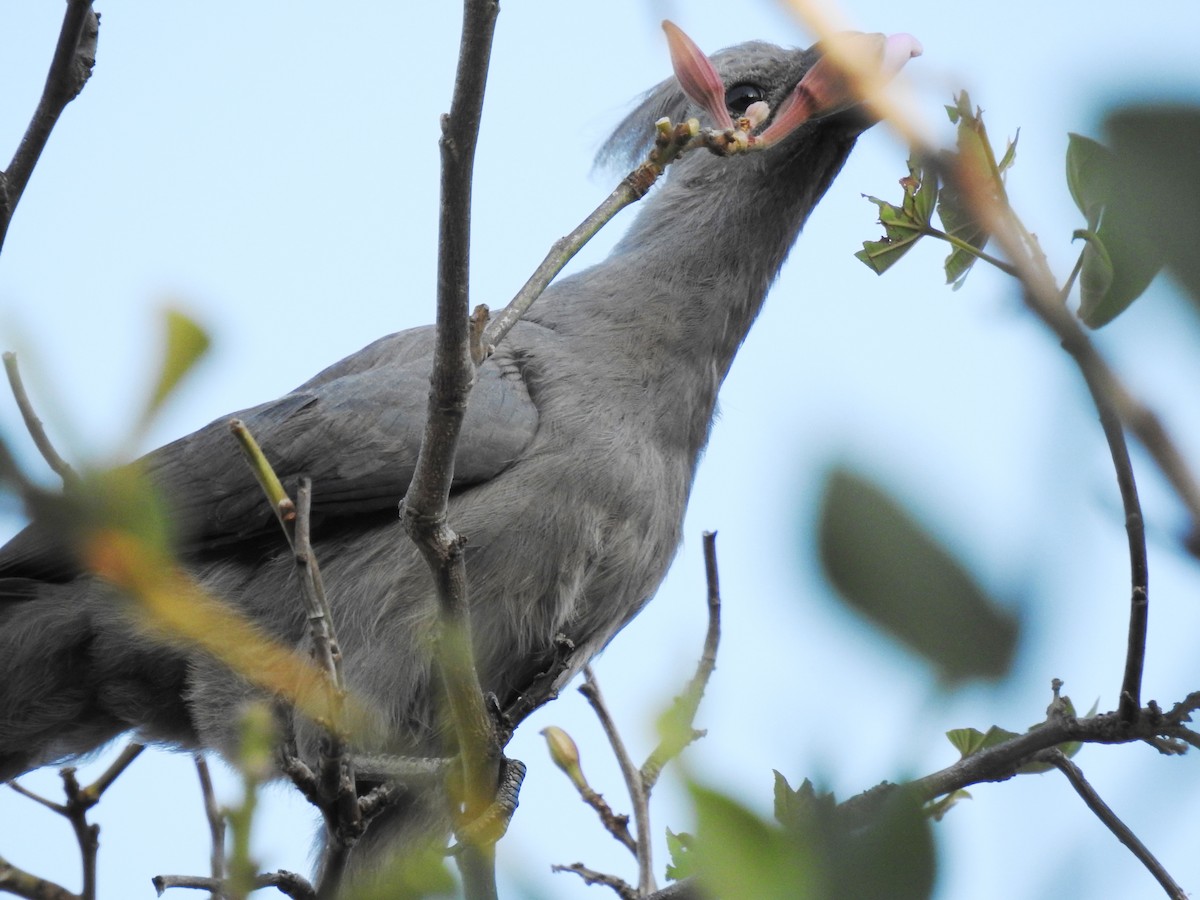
{"x": 811, "y": 850}
{"x": 886, "y": 567}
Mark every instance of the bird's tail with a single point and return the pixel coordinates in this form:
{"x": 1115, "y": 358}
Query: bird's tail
{"x": 75, "y": 673}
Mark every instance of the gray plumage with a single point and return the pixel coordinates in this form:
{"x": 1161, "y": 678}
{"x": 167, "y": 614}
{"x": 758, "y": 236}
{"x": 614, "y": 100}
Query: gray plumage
{"x": 577, "y": 457}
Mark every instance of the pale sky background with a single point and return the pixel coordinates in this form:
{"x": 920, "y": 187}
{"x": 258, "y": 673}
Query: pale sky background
{"x": 273, "y": 168}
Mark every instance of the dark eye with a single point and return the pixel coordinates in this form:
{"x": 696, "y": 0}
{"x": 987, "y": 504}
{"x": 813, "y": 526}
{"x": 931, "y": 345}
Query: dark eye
{"x": 739, "y": 97}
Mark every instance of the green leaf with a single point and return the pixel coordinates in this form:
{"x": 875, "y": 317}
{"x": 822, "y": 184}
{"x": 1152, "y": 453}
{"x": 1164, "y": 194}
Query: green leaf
{"x": 900, "y": 234}
{"x": 958, "y": 222}
{"x": 1123, "y": 196}
{"x": 1157, "y": 170}
{"x": 1010, "y": 154}
{"x": 937, "y": 809}
{"x": 969, "y": 741}
{"x": 1089, "y": 175}
{"x": 889, "y": 569}
{"x": 681, "y": 847}
{"x": 903, "y": 225}
{"x": 1095, "y": 281}
{"x": 975, "y": 162}
{"x": 186, "y": 342}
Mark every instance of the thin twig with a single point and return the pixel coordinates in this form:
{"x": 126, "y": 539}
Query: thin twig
{"x": 216, "y": 821}
{"x": 92, "y": 793}
{"x": 87, "y": 835}
{"x": 639, "y": 795}
{"x": 333, "y": 789}
{"x": 78, "y": 801}
{"x": 669, "y": 145}
{"x": 34, "y": 425}
{"x": 37, "y": 798}
{"x": 688, "y": 703}
{"x": 978, "y": 252}
{"x": 624, "y": 889}
{"x": 1113, "y": 823}
{"x": 16, "y": 881}
{"x": 1139, "y": 567}
{"x": 74, "y": 56}
{"x": 287, "y": 883}
{"x": 561, "y": 253}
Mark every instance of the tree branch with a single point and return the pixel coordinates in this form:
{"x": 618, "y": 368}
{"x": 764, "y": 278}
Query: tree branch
{"x": 424, "y": 507}
{"x": 624, "y": 889}
{"x": 17, "y": 881}
{"x": 639, "y": 794}
{"x": 287, "y": 883}
{"x": 1165, "y": 732}
{"x": 74, "y": 56}
{"x": 216, "y": 822}
{"x": 688, "y": 703}
{"x": 1111, "y": 821}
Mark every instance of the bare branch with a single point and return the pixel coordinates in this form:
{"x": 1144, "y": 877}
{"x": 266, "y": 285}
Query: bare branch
{"x": 670, "y": 142}
{"x": 34, "y": 425}
{"x": 624, "y": 889}
{"x": 20, "y": 883}
{"x": 688, "y": 703}
{"x": 86, "y": 835}
{"x": 1113, "y": 823}
{"x": 37, "y": 798}
{"x": 639, "y": 794}
{"x": 287, "y": 883}
{"x": 74, "y": 56}
{"x": 216, "y": 821}
{"x": 92, "y": 793}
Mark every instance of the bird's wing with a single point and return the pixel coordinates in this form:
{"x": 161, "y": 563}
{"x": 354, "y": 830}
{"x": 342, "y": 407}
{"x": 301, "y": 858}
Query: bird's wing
{"x": 355, "y": 430}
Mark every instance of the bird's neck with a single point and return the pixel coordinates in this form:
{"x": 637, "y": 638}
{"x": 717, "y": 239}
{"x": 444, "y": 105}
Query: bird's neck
{"x": 666, "y": 312}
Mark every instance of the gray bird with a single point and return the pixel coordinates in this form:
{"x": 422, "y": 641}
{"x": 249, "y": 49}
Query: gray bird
{"x": 577, "y": 457}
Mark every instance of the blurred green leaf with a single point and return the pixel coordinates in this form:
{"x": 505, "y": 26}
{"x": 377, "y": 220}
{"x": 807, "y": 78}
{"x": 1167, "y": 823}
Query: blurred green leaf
{"x": 683, "y": 859}
{"x": 795, "y": 808}
{"x": 1089, "y": 175}
{"x": 1123, "y": 254}
{"x": 822, "y": 850}
{"x": 886, "y": 567}
{"x": 903, "y": 225}
{"x": 102, "y": 499}
{"x": 1095, "y": 280}
{"x": 739, "y": 855}
{"x": 893, "y": 857}
{"x": 1157, "y": 164}
{"x": 186, "y": 342}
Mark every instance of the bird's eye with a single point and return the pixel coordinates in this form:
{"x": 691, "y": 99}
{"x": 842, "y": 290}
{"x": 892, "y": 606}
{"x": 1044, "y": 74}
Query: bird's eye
{"x": 739, "y": 97}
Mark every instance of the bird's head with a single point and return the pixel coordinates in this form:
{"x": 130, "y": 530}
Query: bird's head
{"x": 786, "y": 95}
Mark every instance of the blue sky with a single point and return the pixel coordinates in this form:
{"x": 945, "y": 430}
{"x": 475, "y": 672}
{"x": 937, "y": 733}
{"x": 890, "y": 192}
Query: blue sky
{"x": 273, "y": 170}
